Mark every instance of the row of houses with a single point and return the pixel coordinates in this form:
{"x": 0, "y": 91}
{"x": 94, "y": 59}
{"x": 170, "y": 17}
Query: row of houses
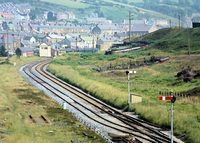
{"x": 101, "y": 37}
{"x": 63, "y": 28}
{"x": 15, "y": 11}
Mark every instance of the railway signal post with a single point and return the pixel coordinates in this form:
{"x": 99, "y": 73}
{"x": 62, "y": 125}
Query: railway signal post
{"x": 173, "y": 99}
{"x": 128, "y": 72}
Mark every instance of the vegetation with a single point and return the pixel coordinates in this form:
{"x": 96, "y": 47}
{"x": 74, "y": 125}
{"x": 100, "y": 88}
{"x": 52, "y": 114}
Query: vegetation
{"x": 33, "y": 13}
{"x": 111, "y": 86}
{"x": 174, "y": 40}
{"x": 165, "y": 9}
{"x": 3, "y": 52}
{"x": 19, "y": 99}
{"x": 141, "y": 8}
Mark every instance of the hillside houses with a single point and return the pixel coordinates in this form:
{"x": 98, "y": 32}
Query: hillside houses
{"x": 70, "y": 36}
{"x": 9, "y": 42}
{"x": 140, "y": 30}
{"x": 30, "y": 39}
{"x": 65, "y": 15}
{"x": 105, "y": 43}
{"x": 96, "y": 20}
{"x": 15, "y": 11}
{"x": 59, "y": 29}
{"x": 54, "y": 37}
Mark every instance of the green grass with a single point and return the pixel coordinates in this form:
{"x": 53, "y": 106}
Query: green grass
{"x": 110, "y": 12}
{"x": 174, "y": 40}
{"x": 68, "y": 3}
{"x": 111, "y": 86}
{"x": 19, "y": 99}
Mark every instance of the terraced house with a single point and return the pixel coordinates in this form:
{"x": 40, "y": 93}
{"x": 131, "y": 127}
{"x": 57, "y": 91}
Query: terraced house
{"x": 9, "y": 42}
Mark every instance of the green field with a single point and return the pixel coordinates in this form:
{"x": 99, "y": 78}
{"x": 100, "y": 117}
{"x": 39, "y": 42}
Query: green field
{"x": 111, "y": 86}
{"x": 19, "y": 99}
{"x": 110, "y": 12}
{"x": 68, "y": 3}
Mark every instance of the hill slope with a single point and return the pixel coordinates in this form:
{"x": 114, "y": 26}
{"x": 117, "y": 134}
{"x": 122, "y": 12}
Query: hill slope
{"x": 141, "y": 8}
{"x": 117, "y": 10}
{"x": 109, "y": 9}
{"x": 174, "y": 40}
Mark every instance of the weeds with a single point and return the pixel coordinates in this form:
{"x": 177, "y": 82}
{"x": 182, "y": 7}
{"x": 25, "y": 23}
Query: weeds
{"x": 111, "y": 86}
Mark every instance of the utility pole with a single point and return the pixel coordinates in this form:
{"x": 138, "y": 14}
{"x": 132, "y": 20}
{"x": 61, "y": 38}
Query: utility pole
{"x": 179, "y": 21}
{"x": 76, "y": 44}
{"x": 170, "y": 23}
{"x": 173, "y": 99}
{"x": 128, "y": 91}
{"x": 93, "y": 44}
{"x": 188, "y": 38}
{"x": 128, "y": 72}
{"x": 172, "y": 131}
{"x": 7, "y": 44}
{"x": 130, "y": 25}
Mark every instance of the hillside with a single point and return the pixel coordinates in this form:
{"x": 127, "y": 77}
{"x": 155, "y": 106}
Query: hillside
{"x": 156, "y": 9}
{"x": 152, "y": 79}
{"x": 164, "y": 9}
{"x": 174, "y": 40}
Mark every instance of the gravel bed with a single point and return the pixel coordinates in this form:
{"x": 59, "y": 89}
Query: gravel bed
{"x": 98, "y": 128}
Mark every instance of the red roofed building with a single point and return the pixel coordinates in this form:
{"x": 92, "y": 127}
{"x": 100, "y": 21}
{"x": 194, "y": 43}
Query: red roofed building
{"x": 6, "y": 15}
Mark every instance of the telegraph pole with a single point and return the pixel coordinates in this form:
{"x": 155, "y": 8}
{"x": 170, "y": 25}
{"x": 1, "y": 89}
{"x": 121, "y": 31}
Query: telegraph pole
{"x": 170, "y": 23}
{"x": 188, "y": 40}
{"x": 128, "y": 72}
{"x": 7, "y": 44}
{"x": 129, "y": 26}
{"x": 179, "y": 21}
{"x": 76, "y": 44}
{"x": 93, "y": 44}
{"x": 128, "y": 91}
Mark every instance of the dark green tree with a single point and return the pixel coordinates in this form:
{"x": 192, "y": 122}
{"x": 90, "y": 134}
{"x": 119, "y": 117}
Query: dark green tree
{"x": 34, "y": 13}
{"x": 101, "y": 14}
{"x": 3, "y": 52}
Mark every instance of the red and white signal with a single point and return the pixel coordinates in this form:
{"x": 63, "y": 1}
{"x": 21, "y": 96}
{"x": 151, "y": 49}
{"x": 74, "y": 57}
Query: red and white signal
{"x": 165, "y": 97}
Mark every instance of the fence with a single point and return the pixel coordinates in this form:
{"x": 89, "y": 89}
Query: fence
{"x": 166, "y": 92}
{"x": 180, "y": 96}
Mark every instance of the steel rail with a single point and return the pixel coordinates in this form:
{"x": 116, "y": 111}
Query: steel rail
{"x": 90, "y": 111}
{"x": 166, "y": 138}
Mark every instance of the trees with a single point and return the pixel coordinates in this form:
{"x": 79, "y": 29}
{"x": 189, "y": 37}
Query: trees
{"x": 183, "y": 2}
{"x": 3, "y": 52}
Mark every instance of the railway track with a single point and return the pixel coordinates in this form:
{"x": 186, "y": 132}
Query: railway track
{"x": 93, "y": 109}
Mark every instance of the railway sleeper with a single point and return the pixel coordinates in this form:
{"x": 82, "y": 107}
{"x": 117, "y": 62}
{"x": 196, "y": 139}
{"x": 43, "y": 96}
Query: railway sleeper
{"x": 32, "y": 119}
{"x": 44, "y": 119}
{"x": 85, "y": 134}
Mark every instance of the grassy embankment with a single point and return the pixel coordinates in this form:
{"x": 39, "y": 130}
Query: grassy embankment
{"x": 111, "y": 86}
{"x": 19, "y": 99}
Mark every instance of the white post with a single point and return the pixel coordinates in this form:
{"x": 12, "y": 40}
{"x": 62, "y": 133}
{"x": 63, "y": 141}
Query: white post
{"x": 128, "y": 92}
{"x": 171, "y": 122}
{"x": 128, "y": 72}
{"x": 64, "y": 106}
{"x": 172, "y": 118}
